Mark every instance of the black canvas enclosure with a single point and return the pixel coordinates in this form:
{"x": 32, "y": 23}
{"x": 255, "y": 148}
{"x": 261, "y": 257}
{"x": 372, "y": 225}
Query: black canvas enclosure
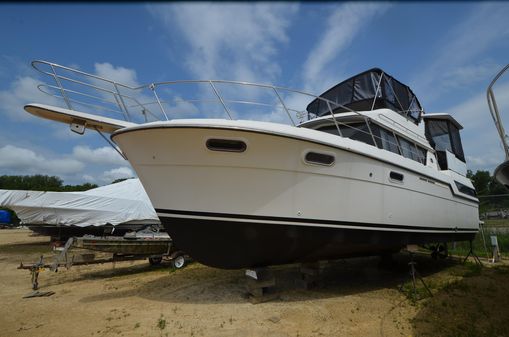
{"x": 372, "y": 89}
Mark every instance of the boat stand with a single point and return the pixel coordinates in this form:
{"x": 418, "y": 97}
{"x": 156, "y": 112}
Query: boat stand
{"x": 260, "y": 283}
{"x": 414, "y": 274}
{"x": 471, "y": 253}
{"x": 310, "y": 275}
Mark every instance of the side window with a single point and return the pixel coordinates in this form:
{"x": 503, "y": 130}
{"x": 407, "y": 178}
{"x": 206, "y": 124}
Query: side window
{"x": 388, "y": 141}
{"x": 358, "y": 131}
{"x": 355, "y": 131}
{"x": 421, "y": 154}
{"x": 409, "y": 150}
{"x": 329, "y": 129}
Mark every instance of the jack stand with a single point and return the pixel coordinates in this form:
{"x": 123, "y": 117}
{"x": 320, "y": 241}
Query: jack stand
{"x": 310, "y": 275}
{"x": 35, "y": 270}
{"x": 414, "y": 273}
{"x": 260, "y": 283}
{"x": 471, "y": 252}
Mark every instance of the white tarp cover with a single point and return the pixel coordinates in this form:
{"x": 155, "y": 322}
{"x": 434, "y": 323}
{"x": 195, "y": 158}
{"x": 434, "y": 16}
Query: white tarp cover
{"x": 113, "y": 204}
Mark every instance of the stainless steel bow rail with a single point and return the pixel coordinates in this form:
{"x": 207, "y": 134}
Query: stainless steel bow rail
{"x": 501, "y": 172}
{"x": 162, "y": 100}
{"x": 492, "y": 104}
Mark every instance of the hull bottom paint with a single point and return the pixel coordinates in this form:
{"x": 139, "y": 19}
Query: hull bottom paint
{"x": 240, "y": 244}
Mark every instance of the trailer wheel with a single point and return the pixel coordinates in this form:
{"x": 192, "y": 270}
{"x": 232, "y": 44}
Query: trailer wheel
{"x": 154, "y": 261}
{"x": 179, "y": 261}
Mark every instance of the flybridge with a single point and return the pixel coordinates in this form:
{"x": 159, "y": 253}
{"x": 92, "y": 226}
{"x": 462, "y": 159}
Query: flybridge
{"x": 372, "y": 89}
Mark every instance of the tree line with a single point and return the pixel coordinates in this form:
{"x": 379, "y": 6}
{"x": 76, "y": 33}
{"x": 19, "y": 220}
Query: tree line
{"x": 492, "y": 194}
{"x": 40, "y": 182}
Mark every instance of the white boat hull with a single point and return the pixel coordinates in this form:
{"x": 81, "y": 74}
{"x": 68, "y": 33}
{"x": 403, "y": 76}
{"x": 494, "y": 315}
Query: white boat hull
{"x": 266, "y": 205}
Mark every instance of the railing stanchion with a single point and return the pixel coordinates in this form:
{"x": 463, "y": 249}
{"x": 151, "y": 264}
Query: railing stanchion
{"x": 221, "y": 100}
{"x": 334, "y": 119}
{"x": 123, "y": 107}
{"x": 376, "y": 92}
{"x": 64, "y": 95}
{"x": 366, "y": 119}
{"x": 153, "y": 88}
{"x": 284, "y": 106}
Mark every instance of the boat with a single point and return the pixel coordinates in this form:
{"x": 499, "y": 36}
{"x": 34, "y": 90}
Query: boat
{"x": 501, "y": 172}
{"x": 114, "y": 209}
{"x": 364, "y": 171}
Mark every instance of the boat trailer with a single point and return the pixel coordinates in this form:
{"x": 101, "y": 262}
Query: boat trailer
{"x": 135, "y": 251}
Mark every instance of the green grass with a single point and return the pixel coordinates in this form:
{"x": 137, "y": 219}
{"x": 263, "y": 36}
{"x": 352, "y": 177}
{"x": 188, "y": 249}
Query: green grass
{"x": 462, "y": 248}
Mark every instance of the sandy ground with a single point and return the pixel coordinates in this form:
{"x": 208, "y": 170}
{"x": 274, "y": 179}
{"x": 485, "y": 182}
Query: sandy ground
{"x": 357, "y": 298}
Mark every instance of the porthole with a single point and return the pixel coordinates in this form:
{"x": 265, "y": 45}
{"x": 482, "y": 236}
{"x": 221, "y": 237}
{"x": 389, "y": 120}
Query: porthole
{"x": 319, "y": 158}
{"x": 396, "y": 176}
{"x": 226, "y": 145}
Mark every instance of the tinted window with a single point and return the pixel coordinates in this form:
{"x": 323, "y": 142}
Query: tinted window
{"x": 465, "y": 189}
{"x": 355, "y": 131}
{"x": 421, "y": 153}
{"x": 407, "y": 148}
{"x": 388, "y": 141}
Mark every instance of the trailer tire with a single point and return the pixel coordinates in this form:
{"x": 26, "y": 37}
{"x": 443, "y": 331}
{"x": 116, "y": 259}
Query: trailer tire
{"x": 179, "y": 261}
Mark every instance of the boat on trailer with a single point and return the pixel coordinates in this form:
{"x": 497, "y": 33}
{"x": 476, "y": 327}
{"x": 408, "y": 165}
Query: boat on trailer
{"x": 358, "y": 175}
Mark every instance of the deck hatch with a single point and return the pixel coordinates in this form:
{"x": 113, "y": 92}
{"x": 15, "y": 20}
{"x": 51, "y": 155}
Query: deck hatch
{"x": 226, "y": 145}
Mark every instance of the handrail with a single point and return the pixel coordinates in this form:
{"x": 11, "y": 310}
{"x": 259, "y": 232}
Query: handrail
{"x": 122, "y": 98}
{"x": 492, "y": 105}
{"x": 118, "y": 95}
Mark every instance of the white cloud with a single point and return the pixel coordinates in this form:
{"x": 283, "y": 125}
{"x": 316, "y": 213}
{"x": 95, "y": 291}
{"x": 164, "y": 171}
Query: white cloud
{"x": 234, "y": 41}
{"x": 21, "y": 92}
{"x": 117, "y": 173}
{"x": 103, "y": 155}
{"x": 464, "y": 76}
{"x": 119, "y": 74}
{"x": 17, "y": 160}
{"x": 88, "y": 178}
{"x": 226, "y": 41}
{"x": 461, "y": 58}
{"x": 343, "y": 25}
{"x": 481, "y": 142}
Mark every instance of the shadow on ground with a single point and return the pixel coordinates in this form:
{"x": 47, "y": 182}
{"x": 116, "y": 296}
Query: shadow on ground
{"x": 199, "y": 284}
{"x": 26, "y": 249}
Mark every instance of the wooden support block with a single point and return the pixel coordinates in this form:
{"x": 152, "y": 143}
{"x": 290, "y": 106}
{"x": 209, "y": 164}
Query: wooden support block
{"x": 252, "y": 284}
{"x": 265, "y": 298}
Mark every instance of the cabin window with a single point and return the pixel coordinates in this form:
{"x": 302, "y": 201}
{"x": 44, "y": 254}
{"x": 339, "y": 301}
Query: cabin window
{"x": 385, "y": 139}
{"x": 465, "y": 189}
{"x": 421, "y": 154}
{"x": 355, "y": 131}
{"x": 396, "y": 176}
{"x": 319, "y": 158}
{"x": 443, "y": 135}
{"x": 407, "y": 149}
{"x": 388, "y": 141}
{"x": 226, "y": 145}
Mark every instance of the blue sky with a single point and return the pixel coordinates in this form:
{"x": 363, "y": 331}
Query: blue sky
{"x": 447, "y": 52}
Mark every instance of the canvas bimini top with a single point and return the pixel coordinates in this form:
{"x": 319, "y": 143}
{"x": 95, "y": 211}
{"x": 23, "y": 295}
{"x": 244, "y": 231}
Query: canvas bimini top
{"x": 372, "y": 89}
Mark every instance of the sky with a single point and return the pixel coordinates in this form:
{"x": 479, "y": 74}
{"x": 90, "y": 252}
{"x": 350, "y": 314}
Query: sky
{"x": 446, "y": 52}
